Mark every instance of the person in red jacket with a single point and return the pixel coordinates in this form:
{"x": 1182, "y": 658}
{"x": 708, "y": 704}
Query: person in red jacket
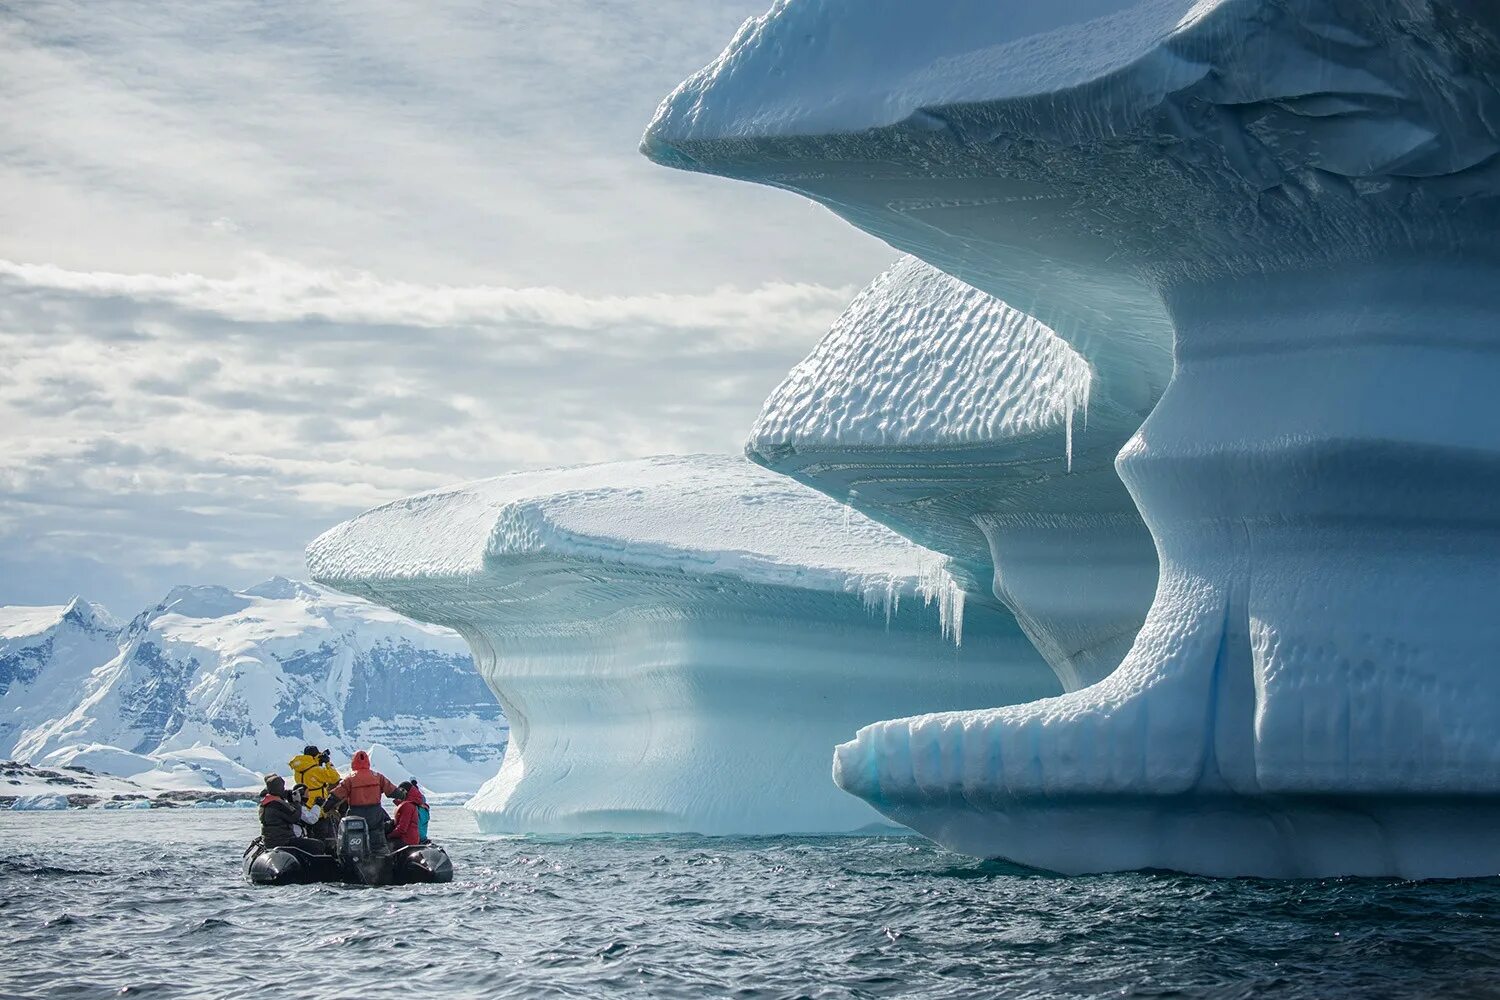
{"x": 362, "y": 789}
{"x": 405, "y": 833}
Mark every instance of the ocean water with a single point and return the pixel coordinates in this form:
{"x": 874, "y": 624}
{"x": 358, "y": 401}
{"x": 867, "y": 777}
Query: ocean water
{"x": 152, "y": 904}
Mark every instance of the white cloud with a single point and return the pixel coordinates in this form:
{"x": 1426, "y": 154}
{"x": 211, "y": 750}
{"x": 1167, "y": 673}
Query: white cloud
{"x": 268, "y": 262}
{"x": 191, "y": 426}
{"x": 463, "y": 143}
{"x": 274, "y": 291}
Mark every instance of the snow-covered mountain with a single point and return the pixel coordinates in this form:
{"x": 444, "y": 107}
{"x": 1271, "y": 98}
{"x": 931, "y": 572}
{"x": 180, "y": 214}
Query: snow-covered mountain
{"x": 46, "y": 657}
{"x": 212, "y": 687}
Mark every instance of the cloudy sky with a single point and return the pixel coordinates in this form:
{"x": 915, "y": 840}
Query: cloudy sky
{"x": 266, "y": 264}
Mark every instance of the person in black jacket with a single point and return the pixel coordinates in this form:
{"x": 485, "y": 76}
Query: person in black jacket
{"x": 280, "y": 820}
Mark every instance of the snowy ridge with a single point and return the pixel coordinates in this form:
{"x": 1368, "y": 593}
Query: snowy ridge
{"x": 1291, "y": 211}
{"x": 211, "y": 688}
{"x": 29, "y": 624}
{"x": 47, "y": 656}
{"x": 643, "y": 625}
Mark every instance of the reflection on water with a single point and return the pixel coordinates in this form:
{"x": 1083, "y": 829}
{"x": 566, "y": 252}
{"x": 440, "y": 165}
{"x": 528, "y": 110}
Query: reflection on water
{"x": 151, "y": 904}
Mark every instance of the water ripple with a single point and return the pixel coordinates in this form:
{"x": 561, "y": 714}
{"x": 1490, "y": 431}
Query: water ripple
{"x": 94, "y": 905}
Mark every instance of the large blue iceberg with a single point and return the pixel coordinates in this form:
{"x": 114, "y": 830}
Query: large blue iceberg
{"x": 677, "y": 642}
{"x": 1267, "y": 228}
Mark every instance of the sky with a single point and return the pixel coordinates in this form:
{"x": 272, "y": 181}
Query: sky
{"x": 264, "y": 265}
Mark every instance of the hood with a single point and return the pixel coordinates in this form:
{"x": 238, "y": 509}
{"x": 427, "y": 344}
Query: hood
{"x": 302, "y": 762}
{"x": 415, "y": 796}
{"x": 361, "y": 761}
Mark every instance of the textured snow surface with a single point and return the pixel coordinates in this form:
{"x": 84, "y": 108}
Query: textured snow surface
{"x": 1290, "y": 209}
{"x": 921, "y": 359}
{"x": 678, "y": 642}
{"x": 211, "y": 688}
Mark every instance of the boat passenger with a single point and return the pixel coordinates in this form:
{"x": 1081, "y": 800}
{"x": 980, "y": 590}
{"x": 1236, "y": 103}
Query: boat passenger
{"x": 362, "y": 790}
{"x": 311, "y": 815}
{"x": 423, "y": 812}
{"x": 404, "y": 833}
{"x": 280, "y": 820}
{"x": 311, "y": 768}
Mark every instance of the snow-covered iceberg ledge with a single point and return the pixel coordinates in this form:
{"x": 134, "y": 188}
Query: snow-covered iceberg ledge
{"x": 973, "y": 429}
{"x": 1299, "y": 198}
{"x": 678, "y": 643}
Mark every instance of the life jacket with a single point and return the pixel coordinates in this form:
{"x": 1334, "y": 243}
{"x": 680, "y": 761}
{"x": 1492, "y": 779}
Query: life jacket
{"x": 317, "y": 776}
{"x": 363, "y": 787}
{"x": 406, "y": 824}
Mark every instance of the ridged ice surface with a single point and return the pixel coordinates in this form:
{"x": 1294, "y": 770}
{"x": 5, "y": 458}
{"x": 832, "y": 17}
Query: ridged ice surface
{"x": 921, "y": 359}
{"x": 1290, "y": 208}
{"x": 678, "y": 642}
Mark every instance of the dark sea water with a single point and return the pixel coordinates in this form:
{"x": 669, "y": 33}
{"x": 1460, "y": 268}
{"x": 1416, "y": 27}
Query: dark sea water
{"x": 151, "y": 904}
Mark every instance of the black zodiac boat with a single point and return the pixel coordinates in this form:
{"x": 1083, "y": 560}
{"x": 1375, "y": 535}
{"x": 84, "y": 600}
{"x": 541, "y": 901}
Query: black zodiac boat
{"x": 361, "y": 859}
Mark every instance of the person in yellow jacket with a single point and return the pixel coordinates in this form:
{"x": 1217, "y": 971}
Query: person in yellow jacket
{"x": 311, "y": 768}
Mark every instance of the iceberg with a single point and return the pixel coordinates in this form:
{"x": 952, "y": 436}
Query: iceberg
{"x": 41, "y": 802}
{"x": 678, "y": 641}
{"x": 970, "y": 427}
{"x": 1295, "y": 203}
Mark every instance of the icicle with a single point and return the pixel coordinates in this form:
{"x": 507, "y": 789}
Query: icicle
{"x": 1076, "y": 383}
{"x": 849, "y": 510}
{"x": 1068, "y": 433}
{"x": 935, "y": 583}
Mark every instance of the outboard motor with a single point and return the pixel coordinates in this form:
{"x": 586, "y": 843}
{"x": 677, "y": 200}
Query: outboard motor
{"x": 354, "y": 839}
{"x": 360, "y": 854}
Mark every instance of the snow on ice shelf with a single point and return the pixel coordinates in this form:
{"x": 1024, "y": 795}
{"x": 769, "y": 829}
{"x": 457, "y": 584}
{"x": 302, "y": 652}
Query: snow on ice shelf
{"x": 1298, "y": 201}
{"x": 678, "y": 643}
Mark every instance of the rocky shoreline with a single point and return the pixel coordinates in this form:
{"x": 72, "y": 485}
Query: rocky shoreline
{"x": 84, "y": 788}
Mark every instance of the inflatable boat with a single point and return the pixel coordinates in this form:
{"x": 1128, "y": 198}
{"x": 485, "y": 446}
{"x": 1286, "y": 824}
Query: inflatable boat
{"x": 359, "y": 859}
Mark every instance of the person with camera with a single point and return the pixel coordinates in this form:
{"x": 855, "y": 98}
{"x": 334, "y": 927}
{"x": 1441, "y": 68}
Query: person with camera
{"x": 312, "y": 769}
{"x": 282, "y": 820}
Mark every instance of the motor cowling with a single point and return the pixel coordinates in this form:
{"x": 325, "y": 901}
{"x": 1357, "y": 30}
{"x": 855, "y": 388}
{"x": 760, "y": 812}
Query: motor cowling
{"x": 354, "y": 840}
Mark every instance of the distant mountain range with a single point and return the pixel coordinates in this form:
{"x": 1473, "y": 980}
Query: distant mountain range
{"x": 211, "y": 688}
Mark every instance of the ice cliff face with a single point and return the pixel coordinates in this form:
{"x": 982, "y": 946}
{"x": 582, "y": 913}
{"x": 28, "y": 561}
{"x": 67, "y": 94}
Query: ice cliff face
{"x": 1291, "y": 207}
{"x": 212, "y": 687}
{"x": 972, "y": 428}
{"x": 677, "y": 642}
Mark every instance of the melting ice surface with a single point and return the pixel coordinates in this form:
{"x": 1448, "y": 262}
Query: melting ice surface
{"x": 677, "y": 642}
{"x": 1273, "y": 228}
